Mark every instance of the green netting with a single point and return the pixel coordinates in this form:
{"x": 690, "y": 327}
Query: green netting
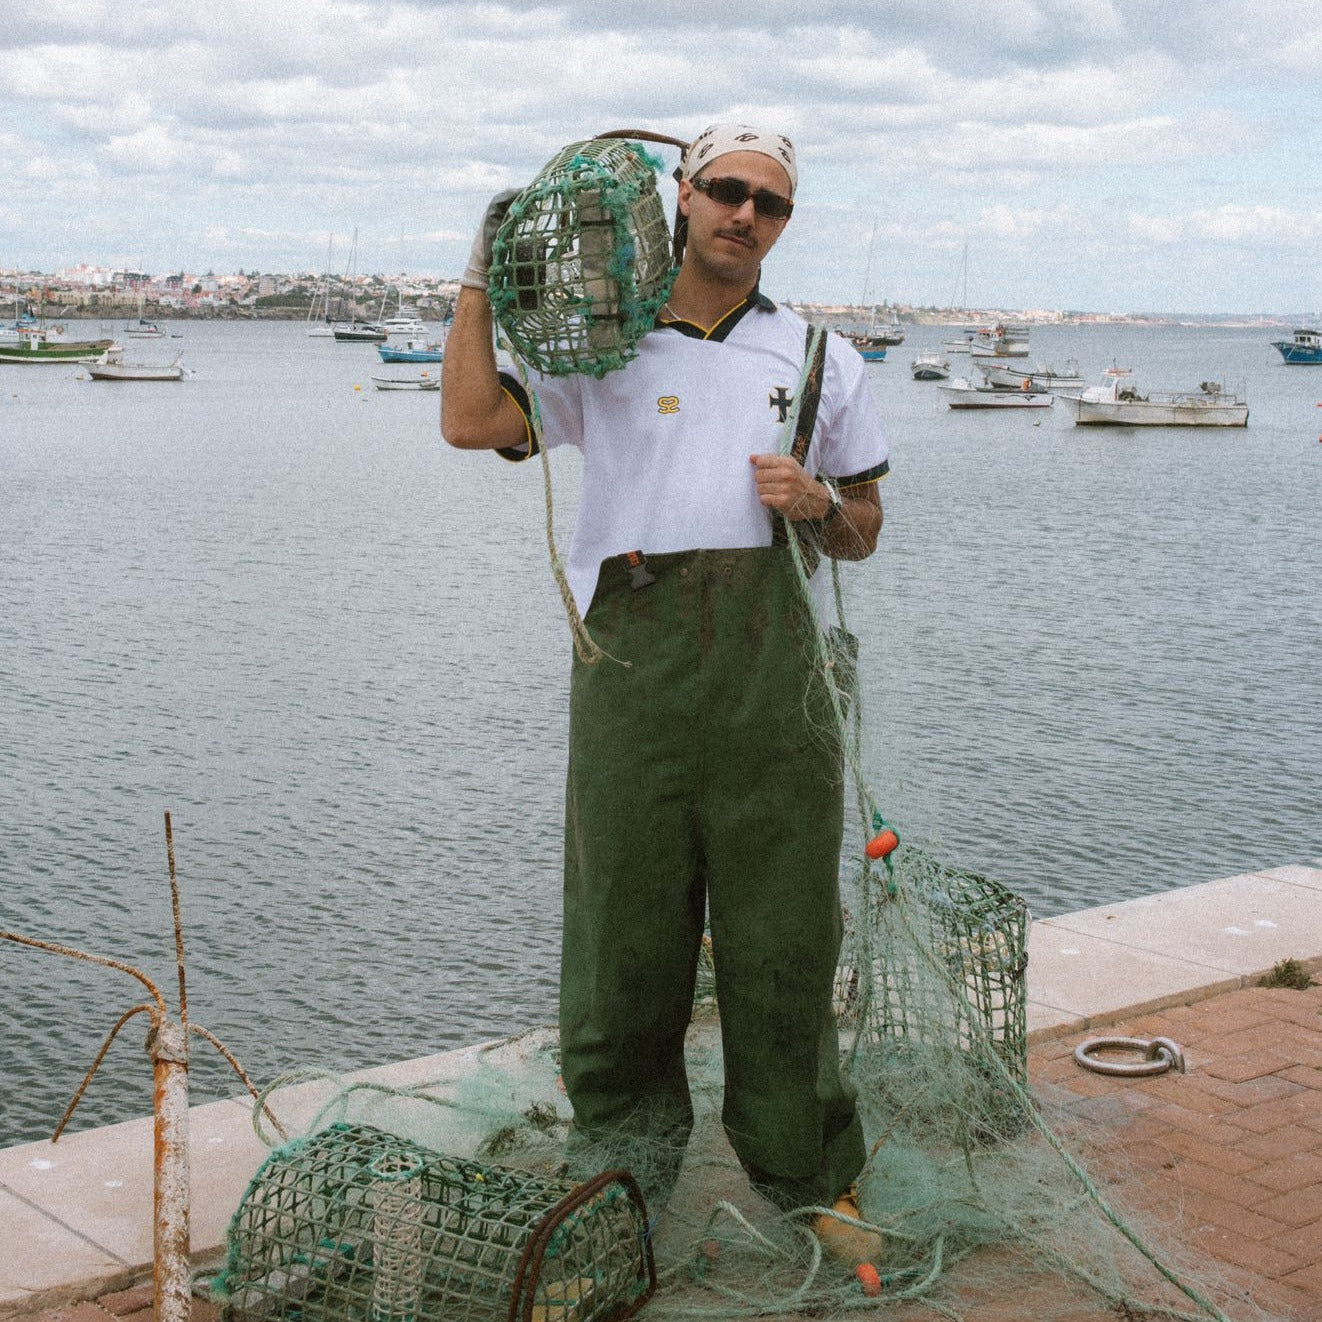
{"x": 581, "y": 264}
{"x": 358, "y": 1225}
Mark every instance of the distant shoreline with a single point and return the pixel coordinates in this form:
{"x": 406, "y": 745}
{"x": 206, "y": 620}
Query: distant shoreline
{"x": 973, "y": 317}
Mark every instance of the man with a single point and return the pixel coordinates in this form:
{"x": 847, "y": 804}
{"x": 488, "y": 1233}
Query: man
{"x": 705, "y": 775}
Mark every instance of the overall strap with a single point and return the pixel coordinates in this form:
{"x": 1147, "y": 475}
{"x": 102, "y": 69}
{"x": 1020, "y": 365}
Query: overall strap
{"x": 799, "y": 425}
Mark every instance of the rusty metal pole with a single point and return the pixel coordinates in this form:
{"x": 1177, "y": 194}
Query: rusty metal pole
{"x": 172, "y": 1279}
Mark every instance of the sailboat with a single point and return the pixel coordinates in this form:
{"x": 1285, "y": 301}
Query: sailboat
{"x": 143, "y": 329}
{"x": 873, "y": 341}
{"x": 321, "y": 326}
{"x": 358, "y": 330}
{"x": 964, "y": 342}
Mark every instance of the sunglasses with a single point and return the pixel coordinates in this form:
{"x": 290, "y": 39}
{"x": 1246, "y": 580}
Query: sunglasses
{"x": 734, "y": 193}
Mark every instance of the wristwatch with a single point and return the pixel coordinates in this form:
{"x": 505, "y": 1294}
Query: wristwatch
{"x": 834, "y": 507}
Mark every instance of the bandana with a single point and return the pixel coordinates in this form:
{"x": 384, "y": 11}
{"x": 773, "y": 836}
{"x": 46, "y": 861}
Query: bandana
{"x": 720, "y": 139}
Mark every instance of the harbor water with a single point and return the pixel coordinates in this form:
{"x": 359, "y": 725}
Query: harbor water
{"x": 269, "y": 601}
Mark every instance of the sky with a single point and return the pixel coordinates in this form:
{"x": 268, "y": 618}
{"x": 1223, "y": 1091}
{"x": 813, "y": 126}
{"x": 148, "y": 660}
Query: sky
{"x": 1094, "y": 155}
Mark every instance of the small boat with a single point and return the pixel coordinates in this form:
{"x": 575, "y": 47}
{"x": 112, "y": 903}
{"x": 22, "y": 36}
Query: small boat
{"x": 1008, "y": 377}
{"x": 144, "y": 330}
{"x": 930, "y": 366}
{"x": 359, "y": 332}
{"x": 423, "y": 382}
{"x": 1007, "y": 339}
{"x": 404, "y": 324}
{"x": 872, "y": 350}
{"x": 1116, "y": 402}
{"x": 961, "y": 345}
{"x": 415, "y": 351}
{"x": 51, "y": 346}
{"x": 962, "y": 393}
{"x": 120, "y": 371}
{"x": 1304, "y": 346}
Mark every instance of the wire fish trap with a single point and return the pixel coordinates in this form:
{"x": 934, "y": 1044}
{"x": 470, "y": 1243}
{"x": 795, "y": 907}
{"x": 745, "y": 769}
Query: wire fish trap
{"x": 581, "y": 264}
{"x": 358, "y": 1225}
{"x": 940, "y": 1013}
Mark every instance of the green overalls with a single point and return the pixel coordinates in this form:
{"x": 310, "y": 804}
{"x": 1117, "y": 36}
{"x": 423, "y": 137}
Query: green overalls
{"x": 706, "y": 775}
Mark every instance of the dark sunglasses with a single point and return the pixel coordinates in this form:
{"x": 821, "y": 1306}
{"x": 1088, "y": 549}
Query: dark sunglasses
{"x": 734, "y": 193}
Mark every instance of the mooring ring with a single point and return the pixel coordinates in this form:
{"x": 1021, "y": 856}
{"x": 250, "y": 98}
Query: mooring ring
{"x": 1159, "y": 1055}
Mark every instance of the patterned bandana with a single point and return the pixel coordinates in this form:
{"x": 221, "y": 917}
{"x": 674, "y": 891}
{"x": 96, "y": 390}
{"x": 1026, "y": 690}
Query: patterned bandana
{"x": 720, "y": 139}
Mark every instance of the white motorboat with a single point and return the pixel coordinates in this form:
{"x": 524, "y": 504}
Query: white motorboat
{"x": 962, "y": 393}
{"x": 1117, "y": 402}
{"x": 114, "y": 370}
{"x": 1041, "y": 377}
{"x": 930, "y": 366}
{"x": 423, "y": 382}
{"x": 1007, "y": 339}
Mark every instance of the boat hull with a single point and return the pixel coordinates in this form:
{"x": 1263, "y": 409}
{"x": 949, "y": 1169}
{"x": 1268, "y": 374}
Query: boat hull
{"x": 1011, "y": 378}
{"x": 91, "y": 351}
{"x": 360, "y": 335}
{"x": 1298, "y": 355}
{"x": 394, "y": 383}
{"x": 391, "y": 355}
{"x": 1154, "y": 413}
{"x": 960, "y": 395}
{"x": 129, "y": 372}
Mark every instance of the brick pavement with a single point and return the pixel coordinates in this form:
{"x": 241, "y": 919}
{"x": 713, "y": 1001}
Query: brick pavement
{"x": 1228, "y": 1155}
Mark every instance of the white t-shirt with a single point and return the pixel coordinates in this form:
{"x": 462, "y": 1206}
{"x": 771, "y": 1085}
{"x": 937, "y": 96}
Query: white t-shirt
{"x": 666, "y": 440}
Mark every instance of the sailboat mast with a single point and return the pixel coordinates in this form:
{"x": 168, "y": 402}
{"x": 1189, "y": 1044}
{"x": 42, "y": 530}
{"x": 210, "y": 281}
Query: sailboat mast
{"x": 867, "y": 277}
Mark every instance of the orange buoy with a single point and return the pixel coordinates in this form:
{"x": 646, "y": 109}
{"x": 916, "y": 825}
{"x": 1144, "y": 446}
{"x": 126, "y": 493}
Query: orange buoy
{"x": 881, "y": 845}
{"x": 869, "y": 1279}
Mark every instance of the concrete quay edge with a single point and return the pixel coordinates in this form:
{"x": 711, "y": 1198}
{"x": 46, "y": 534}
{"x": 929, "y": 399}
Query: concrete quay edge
{"x": 76, "y": 1217}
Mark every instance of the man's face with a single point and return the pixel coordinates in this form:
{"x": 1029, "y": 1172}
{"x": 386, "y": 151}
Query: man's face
{"x": 729, "y": 243}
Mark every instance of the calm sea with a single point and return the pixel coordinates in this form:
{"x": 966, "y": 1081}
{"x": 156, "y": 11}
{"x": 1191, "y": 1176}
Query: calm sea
{"x": 275, "y": 605}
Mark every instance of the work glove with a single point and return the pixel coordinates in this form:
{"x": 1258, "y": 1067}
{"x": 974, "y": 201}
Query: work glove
{"x": 479, "y": 259}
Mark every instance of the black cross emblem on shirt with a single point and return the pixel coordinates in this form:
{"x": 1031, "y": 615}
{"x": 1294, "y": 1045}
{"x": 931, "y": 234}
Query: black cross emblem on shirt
{"x": 781, "y": 401}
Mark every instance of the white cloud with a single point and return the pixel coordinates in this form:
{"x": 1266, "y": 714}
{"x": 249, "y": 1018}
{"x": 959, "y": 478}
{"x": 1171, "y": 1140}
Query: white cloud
{"x": 1046, "y": 127}
{"x": 150, "y": 149}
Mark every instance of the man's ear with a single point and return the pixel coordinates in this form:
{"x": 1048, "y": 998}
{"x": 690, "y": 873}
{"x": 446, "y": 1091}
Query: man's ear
{"x": 685, "y": 196}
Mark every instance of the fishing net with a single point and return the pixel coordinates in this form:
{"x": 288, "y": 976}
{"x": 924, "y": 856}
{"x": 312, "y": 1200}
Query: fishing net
{"x": 581, "y": 264}
{"x": 356, "y": 1223}
{"x": 972, "y": 1202}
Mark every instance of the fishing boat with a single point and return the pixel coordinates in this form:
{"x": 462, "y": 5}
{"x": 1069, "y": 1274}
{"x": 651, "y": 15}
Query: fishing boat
{"x": 872, "y": 351}
{"x": 1007, "y": 376}
{"x": 415, "y": 351}
{"x": 1304, "y": 346}
{"x": 930, "y": 366}
{"x": 960, "y": 344}
{"x": 42, "y": 345}
{"x": 1007, "y": 339}
{"x": 423, "y": 382}
{"x": 120, "y": 371}
{"x": 962, "y": 393}
{"x": 1117, "y": 402}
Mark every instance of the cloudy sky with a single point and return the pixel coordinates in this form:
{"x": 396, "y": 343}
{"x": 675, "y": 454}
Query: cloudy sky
{"x": 1112, "y": 155}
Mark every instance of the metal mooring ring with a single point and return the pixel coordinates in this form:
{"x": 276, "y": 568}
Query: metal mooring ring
{"x": 1159, "y": 1055}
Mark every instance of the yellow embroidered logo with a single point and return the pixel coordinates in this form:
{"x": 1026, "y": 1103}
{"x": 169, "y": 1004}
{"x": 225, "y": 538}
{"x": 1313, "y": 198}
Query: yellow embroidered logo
{"x": 668, "y": 404}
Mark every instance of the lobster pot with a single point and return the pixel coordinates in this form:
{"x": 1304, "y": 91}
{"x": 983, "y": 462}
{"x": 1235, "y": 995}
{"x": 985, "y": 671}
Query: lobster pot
{"x": 581, "y": 264}
{"x": 935, "y": 993}
{"x": 358, "y": 1225}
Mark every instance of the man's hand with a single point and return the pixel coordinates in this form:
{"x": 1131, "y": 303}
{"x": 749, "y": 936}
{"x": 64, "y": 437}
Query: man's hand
{"x": 479, "y": 259}
{"x": 783, "y": 485}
